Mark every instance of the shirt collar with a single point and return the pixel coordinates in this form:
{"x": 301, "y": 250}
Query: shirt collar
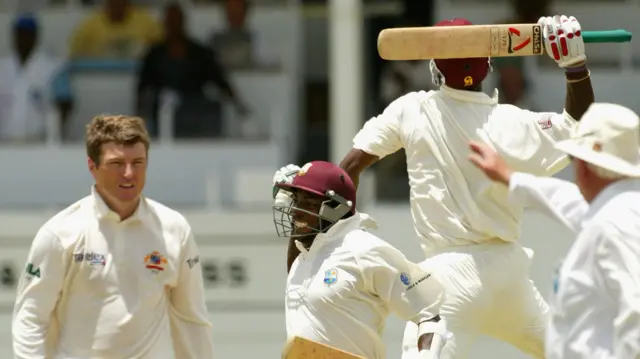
{"x": 470, "y": 96}
{"x": 103, "y": 211}
{"x": 339, "y": 230}
{"x": 631, "y": 184}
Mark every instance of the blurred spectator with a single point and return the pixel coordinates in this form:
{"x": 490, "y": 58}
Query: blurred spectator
{"x": 32, "y": 84}
{"x": 235, "y": 44}
{"x": 182, "y": 66}
{"x": 117, "y": 30}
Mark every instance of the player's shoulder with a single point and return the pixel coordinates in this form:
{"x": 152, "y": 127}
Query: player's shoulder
{"x": 167, "y": 217}
{"x": 67, "y": 224}
{"x": 362, "y": 242}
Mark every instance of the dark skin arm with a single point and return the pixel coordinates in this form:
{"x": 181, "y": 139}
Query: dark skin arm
{"x": 292, "y": 253}
{"x": 357, "y": 161}
{"x": 578, "y": 99}
{"x": 579, "y": 93}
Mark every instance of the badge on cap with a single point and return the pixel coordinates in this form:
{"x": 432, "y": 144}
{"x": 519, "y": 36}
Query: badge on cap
{"x": 304, "y": 169}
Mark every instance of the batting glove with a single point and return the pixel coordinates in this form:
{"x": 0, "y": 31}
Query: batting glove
{"x": 563, "y": 40}
{"x": 283, "y": 175}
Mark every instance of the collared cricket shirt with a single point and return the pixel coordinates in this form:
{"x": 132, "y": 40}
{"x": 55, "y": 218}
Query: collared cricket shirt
{"x": 341, "y": 291}
{"x": 99, "y": 287}
{"x": 452, "y": 202}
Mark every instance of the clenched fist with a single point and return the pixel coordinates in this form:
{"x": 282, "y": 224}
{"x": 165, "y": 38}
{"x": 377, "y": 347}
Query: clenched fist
{"x": 563, "y": 40}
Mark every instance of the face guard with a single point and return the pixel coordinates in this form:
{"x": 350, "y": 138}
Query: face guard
{"x": 288, "y": 221}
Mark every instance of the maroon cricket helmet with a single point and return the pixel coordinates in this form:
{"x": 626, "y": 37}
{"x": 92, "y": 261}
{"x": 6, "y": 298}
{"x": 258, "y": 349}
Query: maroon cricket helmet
{"x": 323, "y": 178}
{"x": 462, "y": 73}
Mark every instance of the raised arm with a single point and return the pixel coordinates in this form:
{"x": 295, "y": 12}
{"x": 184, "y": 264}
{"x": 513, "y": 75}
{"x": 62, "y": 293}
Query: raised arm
{"x": 38, "y": 291}
{"x": 190, "y": 327}
{"x": 379, "y": 137}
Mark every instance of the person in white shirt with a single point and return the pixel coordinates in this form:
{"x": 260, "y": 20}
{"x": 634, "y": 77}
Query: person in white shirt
{"x": 33, "y": 87}
{"x": 114, "y": 275}
{"x": 595, "y": 309}
{"x": 464, "y": 222}
{"x": 346, "y": 281}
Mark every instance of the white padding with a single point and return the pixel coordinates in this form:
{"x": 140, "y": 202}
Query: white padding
{"x": 432, "y": 327}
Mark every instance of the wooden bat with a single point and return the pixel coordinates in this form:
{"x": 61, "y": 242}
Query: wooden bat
{"x": 301, "y": 348}
{"x": 455, "y": 42}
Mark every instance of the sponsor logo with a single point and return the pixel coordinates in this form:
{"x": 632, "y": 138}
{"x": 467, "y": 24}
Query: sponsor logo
{"x": 191, "y": 262}
{"x": 512, "y": 48}
{"x": 537, "y": 40}
{"x": 32, "y": 271}
{"x": 91, "y": 257}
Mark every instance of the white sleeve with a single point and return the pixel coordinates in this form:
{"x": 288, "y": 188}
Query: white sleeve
{"x": 380, "y": 136}
{"x": 190, "y": 327}
{"x": 550, "y": 196}
{"x": 411, "y": 293}
{"x": 618, "y": 255}
{"x": 526, "y": 139}
{"x": 38, "y": 291}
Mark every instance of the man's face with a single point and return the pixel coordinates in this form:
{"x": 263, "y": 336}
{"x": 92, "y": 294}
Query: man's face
{"x": 236, "y": 13}
{"x": 174, "y": 21}
{"x": 116, "y": 9}
{"x": 24, "y": 40}
{"x": 121, "y": 174}
{"x": 305, "y": 214}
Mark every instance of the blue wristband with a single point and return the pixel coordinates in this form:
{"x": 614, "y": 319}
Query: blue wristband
{"x": 576, "y": 69}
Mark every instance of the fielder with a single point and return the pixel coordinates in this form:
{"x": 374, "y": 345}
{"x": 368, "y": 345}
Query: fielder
{"x": 114, "y": 275}
{"x": 595, "y": 310}
{"x": 346, "y": 281}
{"x": 466, "y": 226}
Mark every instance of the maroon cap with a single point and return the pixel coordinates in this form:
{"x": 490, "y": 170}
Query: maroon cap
{"x": 462, "y": 73}
{"x": 319, "y": 177}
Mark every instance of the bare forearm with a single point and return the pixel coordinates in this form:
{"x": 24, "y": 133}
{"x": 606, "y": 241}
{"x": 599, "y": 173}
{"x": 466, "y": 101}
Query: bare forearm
{"x": 292, "y": 253}
{"x": 579, "y": 92}
{"x": 355, "y": 162}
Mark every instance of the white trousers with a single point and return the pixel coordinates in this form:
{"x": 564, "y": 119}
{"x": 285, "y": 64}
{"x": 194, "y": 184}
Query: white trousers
{"x": 487, "y": 291}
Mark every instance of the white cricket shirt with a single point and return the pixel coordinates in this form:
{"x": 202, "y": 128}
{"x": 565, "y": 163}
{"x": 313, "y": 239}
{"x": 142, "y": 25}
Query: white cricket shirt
{"x": 553, "y": 197}
{"x": 452, "y": 202}
{"x": 26, "y": 96}
{"x": 98, "y": 287}
{"x": 595, "y": 312}
{"x": 341, "y": 291}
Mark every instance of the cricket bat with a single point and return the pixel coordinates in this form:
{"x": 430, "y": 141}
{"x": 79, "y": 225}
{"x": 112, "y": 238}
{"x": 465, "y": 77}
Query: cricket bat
{"x": 455, "y": 42}
{"x": 301, "y": 348}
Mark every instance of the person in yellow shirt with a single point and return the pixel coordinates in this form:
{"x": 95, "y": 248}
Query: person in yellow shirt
{"x": 119, "y": 30}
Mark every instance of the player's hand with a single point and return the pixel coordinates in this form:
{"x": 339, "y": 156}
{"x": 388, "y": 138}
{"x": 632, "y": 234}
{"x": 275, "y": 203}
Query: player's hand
{"x": 489, "y": 161}
{"x": 283, "y": 175}
{"x": 563, "y": 40}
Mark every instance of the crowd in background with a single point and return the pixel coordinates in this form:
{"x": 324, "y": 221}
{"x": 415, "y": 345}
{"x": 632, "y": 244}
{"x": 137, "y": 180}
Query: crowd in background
{"x": 172, "y": 62}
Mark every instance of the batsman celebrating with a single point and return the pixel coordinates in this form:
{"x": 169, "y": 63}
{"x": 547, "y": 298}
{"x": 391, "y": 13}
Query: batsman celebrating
{"x": 466, "y": 226}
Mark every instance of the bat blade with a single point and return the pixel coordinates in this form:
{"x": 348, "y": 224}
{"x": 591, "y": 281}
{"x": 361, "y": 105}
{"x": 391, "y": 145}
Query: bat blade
{"x": 452, "y": 42}
{"x": 301, "y": 348}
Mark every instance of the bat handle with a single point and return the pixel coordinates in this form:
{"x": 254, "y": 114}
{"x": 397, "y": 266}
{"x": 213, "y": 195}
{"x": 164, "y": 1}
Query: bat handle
{"x": 603, "y": 36}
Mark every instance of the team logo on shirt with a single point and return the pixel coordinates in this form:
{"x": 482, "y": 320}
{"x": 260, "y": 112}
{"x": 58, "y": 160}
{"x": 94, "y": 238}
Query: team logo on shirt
{"x": 545, "y": 124}
{"x": 155, "y": 261}
{"x": 331, "y": 276}
{"x": 404, "y": 278}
